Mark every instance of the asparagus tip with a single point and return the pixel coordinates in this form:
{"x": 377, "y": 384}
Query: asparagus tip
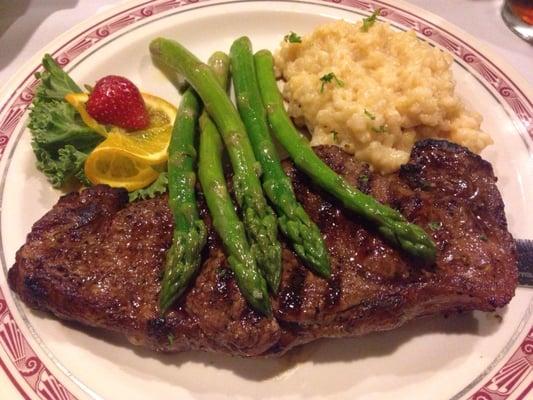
{"x": 164, "y": 304}
{"x": 244, "y": 40}
{"x": 217, "y": 55}
{"x": 263, "y": 52}
{"x": 155, "y": 46}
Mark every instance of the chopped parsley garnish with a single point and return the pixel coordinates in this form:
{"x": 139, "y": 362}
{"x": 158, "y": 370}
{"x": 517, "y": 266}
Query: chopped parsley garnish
{"x": 369, "y": 21}
{"x": 170, "y": 338}
{"x": 370, "y": 115}
{"x": 379, "y": 129}
{"x": 328, "y": 78}
{"x": 435, "y": 225}
{"x": 364, "y": 179}
{"x": 292, "y": 38}
{"x": 483, "y": 237}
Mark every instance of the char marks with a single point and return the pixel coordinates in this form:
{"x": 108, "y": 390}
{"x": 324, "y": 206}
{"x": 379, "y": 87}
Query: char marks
{"x": 98, "y": 260}
{"x": 291, "y": 293}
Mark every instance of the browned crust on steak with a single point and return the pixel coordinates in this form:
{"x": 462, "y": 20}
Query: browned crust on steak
{"x": 98, "y": 260}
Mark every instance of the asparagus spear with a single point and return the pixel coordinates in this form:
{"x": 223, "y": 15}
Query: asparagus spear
{"x": 219, "y": 64}
{"x": 189, "y": 236}
{"x": 292, "y": 218}
{"x": 259, "y": 219}
{"x": 226, "y": 221}
{"x": 390, "y": 223}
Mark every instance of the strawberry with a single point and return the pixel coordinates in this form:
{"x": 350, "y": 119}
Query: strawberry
{"x": 115, "y": 100}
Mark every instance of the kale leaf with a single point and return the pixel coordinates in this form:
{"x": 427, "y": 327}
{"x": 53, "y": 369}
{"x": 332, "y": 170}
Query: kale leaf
{"x": 157, "y": 187}
{"x": 60, "y": 139}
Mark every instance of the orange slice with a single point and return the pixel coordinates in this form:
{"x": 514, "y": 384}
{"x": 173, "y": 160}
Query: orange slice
{"x": 128, "y": 159}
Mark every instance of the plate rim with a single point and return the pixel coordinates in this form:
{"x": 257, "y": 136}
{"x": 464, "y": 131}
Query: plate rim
{"x": 23, "y": 94}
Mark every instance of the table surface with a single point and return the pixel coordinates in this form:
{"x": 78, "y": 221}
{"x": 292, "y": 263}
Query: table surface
{"x": 28, "y": 25}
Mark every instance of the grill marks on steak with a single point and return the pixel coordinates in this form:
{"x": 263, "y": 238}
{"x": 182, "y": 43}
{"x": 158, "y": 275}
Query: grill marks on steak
{"x": 98, "y": 260}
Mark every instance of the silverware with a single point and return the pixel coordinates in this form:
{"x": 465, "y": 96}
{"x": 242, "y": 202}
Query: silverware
{"x": 524, "y": 249}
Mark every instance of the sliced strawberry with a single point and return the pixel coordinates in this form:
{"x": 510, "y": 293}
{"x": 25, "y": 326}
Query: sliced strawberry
{"x": 115, "y": 100}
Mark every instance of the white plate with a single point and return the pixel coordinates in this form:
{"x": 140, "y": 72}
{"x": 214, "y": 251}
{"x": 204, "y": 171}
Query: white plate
{"x": 478, "y": 356}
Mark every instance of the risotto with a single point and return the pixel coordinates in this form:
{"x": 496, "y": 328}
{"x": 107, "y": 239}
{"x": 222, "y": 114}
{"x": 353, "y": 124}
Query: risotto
{"x": 374, "y": 93}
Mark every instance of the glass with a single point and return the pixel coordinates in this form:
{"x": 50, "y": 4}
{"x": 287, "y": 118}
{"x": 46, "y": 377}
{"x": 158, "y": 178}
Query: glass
{"x": 518, "y": 15}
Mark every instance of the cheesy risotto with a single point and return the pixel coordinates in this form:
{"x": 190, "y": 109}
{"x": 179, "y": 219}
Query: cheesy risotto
{"x": 374, "y": 93}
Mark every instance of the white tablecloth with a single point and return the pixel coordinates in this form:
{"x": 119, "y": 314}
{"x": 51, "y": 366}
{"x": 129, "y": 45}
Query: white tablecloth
{"x": 28, "y": 25}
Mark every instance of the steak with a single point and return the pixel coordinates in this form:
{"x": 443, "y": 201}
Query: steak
{"x": 97, "y": 259}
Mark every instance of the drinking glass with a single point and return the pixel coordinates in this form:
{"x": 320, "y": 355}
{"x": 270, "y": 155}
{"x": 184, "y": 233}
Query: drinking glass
{"x": 518, "y": 15}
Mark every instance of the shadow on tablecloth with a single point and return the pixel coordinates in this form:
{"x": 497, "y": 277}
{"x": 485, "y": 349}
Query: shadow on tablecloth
{"x": 35, "y": 12}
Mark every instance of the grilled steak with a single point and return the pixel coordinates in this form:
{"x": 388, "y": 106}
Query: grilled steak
{"x": 98, "y": 260}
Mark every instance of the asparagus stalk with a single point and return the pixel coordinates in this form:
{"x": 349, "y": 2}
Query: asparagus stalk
{"x": 240, "y": 258}
{"x": 189, "y": 236}
{"x": 292, "y": 218}
{"x": 259, "y": 219}
{"x": 390, "y": 223}
{"x": 226, "y": 221}
{"x": 219, "y": 64}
